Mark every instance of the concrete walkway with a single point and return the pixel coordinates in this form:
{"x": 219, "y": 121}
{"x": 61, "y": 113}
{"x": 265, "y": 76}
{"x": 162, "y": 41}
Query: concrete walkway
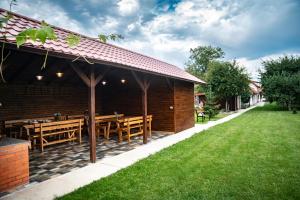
{"x": 66, "y": 183}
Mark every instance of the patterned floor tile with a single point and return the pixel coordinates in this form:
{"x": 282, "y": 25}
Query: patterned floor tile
{"x": 62, "y": 158}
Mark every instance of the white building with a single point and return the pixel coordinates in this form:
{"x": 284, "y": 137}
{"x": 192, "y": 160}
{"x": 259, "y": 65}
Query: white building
{"x": 256, "y": 93}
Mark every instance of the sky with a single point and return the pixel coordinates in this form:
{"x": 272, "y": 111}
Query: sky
{"x": 249, "y": 31}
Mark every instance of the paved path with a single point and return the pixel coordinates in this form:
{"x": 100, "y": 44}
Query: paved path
{"x": 70, "y": 181}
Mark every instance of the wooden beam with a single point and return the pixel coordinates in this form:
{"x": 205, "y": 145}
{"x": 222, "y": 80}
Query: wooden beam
{"x": 82, "y": 75}
{"x": 101, "y": 76}
{"x": 145, "y": 110}
{"x": 144, "y": 85}
{"x": 92, "y": 131}
{"x": 170, "y": 84}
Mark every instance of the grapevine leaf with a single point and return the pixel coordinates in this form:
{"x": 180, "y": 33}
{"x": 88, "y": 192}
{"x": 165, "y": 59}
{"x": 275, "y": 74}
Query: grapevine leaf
{"x": 103, "y": 38}
{"x": 21, "y": 38}
{"x": 41, "y": 34}
{"x": 4, "y": 20}
{"x": 73, "y": 40}
{"x": 49, "y": 32}
{"x": 113, "y": 37}
{"x": 30, "y": 33}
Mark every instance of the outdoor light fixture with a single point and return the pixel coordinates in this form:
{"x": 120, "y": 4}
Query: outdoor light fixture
{"x": 103, "y": 82}
{"x": 59, "y": 74}
{"x": 123, "y": 80}
{"x": 39, "y": 77}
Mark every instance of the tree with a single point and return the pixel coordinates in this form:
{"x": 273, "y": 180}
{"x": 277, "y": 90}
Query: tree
{"x": 227, "y": 80}
{"x": 281, "y": 81}
{"x": 200, "y": 57}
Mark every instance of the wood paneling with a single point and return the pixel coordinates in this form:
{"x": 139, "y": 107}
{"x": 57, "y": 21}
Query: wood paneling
{"x": 30, "y": 101}
{"x": 184, "y": 105}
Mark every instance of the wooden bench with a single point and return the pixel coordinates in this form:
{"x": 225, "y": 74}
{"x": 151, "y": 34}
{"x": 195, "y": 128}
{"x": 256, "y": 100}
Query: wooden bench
{"x": 200, "y": 113}
{"x": 132, "y": 126}
{"x": 58, "y": 132}
{"x": 103, "y": 123}
{"x": 13, "y": 128}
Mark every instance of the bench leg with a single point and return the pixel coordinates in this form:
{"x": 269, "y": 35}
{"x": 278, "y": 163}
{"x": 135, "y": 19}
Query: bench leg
{"x": 128, "y": 135}
{"x": 120, "y": 136}
{"x": 42, "y": 144}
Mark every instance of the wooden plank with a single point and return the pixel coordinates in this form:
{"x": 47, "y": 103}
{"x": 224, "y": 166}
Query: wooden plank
{"x": 138, "y": 80}
{"x": 92, "y": 129}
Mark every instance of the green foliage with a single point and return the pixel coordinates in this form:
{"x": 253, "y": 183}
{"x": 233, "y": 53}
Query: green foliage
{"x": 45, "y": 32}
{"x": 281, "y": 81}
{"x": 227, "y": 79}
{"x": 73, "y": 40}
{"x": 4, "y": 20}
{"x": 211, "y": 106}
{"x": 245, "y": 97}
{"x": 103, "y": 38}
{"x": 200, "y": 58}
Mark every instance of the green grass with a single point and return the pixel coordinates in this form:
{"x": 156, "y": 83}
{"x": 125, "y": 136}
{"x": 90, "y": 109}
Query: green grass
{"x": 217, "y": 117}
{"x": 255, "y": 156}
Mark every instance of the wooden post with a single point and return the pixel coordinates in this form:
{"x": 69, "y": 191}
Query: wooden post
{"x": 91, "y": 82}
{"x": 92, "y": 130}
{"x": 144, "y": 85}
{"x": 145, "y": 107}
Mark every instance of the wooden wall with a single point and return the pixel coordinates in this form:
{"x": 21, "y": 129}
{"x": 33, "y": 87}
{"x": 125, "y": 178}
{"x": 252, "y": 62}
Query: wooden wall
{"x": 160, "y": 98}
{"x": 30, "y": 101}
{"x": 184, "y": 105}
{"x": 127, "y": 99}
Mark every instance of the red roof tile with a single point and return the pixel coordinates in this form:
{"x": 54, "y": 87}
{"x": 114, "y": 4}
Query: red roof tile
{"x": 94, "y": 49}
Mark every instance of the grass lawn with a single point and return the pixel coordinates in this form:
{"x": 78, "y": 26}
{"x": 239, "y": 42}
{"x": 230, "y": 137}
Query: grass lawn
{"x": 255, "y": 156}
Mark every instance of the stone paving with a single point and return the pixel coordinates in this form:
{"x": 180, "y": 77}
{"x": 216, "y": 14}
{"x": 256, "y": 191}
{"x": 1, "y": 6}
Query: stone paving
{"x": 59, "y": 159}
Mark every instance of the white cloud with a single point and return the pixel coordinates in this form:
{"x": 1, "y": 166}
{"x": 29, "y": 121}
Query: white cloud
{"x": 128, "y": 7}
{"x": 46, "y": 10}
{"x": 254, "y": 65}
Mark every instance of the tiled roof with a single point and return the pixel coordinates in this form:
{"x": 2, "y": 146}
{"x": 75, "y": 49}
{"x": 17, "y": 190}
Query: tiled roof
{"x": 93, "y": 49}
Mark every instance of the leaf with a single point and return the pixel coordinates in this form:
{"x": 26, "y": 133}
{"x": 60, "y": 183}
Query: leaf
{"x": 73, "y": 40}
{"x": 31, "y": 33}
{"x": 4, "y": 20}
{"x": 102, "y": 38}
{"x": 49, "y": 32}
{"x": 41, "y": 34}
{"x": 113, "y": 37}
{"x": 21, "y": 38}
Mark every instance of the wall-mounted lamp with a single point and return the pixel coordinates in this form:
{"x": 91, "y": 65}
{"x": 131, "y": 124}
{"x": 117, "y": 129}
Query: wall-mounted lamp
{"x": 123, "y": 80}
{"x": 39, "y": 77}
{"x": 59, "y": 74}
{"x": 103, "y": 82}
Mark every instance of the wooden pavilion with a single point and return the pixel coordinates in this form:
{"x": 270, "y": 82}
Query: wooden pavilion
{"x": 119, "y": 81}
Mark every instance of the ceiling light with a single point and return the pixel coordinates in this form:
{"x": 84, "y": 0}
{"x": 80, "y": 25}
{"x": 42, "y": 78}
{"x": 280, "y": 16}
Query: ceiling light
{"x": 103, "y": 82}
{"x": 123, "y": 80}
{"x": 59, "y": 74}
{"x": 39, "y": 77}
